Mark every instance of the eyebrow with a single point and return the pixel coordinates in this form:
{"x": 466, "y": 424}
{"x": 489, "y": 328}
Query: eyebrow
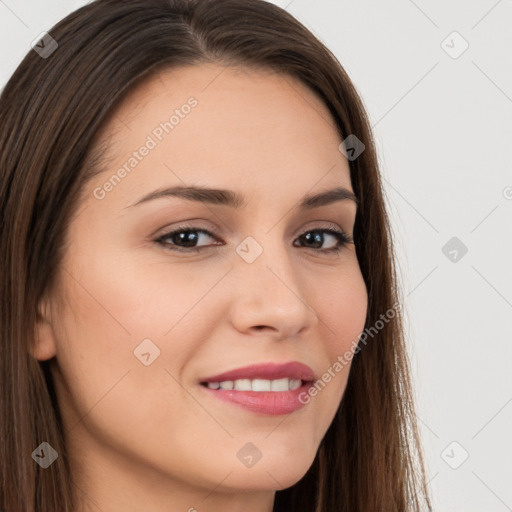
{"x": 234, "y": 200}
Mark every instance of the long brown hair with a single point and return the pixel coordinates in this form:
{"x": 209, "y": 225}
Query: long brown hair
{"x": 50, "y": 112}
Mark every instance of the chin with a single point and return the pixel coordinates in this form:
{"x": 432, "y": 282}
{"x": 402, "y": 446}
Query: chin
{"x": 274, "y": 474}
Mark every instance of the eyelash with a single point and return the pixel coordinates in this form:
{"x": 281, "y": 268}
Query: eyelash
{"x": 341, "y": 236}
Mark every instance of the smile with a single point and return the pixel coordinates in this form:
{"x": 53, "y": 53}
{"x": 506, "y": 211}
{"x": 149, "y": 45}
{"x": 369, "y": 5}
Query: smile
{"x": 258, "y": 385}
{"x": 268, "y": 388}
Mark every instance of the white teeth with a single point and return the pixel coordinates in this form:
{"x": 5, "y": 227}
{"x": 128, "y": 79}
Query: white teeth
{"x": 243, "y": 385}
{"x": 261, "y": 385}
{"x": 284, "y": 384}
{"x": 295, "y": 384}
{"x": 280, "y": 385}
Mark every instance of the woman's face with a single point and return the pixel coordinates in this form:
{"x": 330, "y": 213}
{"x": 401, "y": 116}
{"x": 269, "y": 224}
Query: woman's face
{"x": 140, "y": 321}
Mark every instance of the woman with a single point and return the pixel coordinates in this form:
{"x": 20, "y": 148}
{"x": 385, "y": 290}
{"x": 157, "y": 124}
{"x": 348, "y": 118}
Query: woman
{"x": 170, "y": 340}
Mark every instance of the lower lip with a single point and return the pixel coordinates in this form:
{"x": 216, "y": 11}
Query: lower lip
{"x": 265, "y": 402}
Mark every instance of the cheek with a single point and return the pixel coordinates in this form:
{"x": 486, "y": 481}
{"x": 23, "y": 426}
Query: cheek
{"x": 342, "y": 308}
{"x": 94, "y": 342}
{"x": 105, "y": 388}
{"x": 110, "y": 312}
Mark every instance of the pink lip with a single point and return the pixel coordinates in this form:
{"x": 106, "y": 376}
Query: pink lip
{"x": 270, "y": 371}
{"x": 265, "y": 402}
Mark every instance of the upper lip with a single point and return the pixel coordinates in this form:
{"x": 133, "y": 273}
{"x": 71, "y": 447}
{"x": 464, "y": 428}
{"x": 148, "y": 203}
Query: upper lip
{"x": 270, "y": 371}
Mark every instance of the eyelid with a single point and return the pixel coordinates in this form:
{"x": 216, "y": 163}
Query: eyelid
{"x": 194, "y": 224}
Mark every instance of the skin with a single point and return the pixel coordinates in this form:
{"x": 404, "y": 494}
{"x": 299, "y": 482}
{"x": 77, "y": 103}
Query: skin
{"x": 149, "y": 437}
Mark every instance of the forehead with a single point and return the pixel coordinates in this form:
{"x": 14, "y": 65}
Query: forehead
{"x": 210, "y": 124}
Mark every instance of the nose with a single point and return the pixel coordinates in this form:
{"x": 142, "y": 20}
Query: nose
{"x": 268, "y": 297}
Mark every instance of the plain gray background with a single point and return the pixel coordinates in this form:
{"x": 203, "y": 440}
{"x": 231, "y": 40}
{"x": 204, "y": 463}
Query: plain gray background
{"x": 443, "y": 125}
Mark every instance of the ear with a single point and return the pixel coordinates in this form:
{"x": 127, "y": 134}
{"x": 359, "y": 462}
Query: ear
{"x": 44, "y": 344}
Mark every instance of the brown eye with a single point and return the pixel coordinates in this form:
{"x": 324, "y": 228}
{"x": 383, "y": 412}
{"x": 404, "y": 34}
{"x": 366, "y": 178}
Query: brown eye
{"x": 317, "y": 236}
{"x": 184, "y": 238}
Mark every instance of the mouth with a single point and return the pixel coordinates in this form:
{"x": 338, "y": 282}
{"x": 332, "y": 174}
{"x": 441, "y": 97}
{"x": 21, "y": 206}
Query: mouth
{"x": 270, "y": 389}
